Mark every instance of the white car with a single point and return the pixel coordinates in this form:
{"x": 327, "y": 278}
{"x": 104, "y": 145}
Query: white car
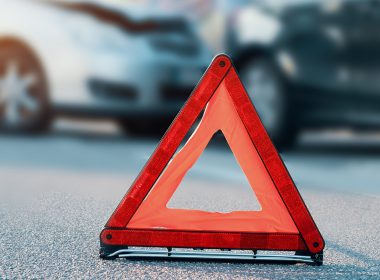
{"x": 95, "y": 59}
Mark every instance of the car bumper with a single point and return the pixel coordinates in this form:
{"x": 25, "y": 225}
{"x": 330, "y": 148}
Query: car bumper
{"x": 117, "y": 85}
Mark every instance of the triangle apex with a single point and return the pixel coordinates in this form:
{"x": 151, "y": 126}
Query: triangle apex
{"x": 222, "y": 60}
{"x": 223, "y": 56}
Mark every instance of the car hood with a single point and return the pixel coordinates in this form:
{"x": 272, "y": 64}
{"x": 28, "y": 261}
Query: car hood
{"x": 130, "y": 18}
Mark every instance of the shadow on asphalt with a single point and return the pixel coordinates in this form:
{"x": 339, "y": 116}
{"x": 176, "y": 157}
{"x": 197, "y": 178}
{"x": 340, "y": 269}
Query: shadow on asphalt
{"x": 360, "y": 257}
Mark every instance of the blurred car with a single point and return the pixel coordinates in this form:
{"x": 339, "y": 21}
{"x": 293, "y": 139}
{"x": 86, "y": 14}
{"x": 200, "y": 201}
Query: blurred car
{"x": 96, "y": 59}
{"x": 309, "y": 63}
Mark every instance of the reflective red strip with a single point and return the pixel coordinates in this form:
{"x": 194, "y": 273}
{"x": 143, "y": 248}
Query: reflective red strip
{"x": 170, "y": 142}
{"x": 192, "y": 239}
{"x": 274, "y": 164}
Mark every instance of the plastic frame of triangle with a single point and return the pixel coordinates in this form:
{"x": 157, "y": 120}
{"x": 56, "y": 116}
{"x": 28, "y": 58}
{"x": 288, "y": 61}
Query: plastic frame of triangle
{"x": 116, "y": 236}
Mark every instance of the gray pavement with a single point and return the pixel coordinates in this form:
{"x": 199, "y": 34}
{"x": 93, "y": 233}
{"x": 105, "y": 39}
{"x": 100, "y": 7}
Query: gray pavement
{"x": 57, "y": 191}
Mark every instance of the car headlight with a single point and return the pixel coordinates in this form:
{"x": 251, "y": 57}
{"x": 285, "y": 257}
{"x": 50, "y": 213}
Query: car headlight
{"x": 95, "y": 34}
{"x": 287, "y": 63}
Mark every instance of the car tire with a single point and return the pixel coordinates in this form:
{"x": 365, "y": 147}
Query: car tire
{"x": 24, "y": 102}
{"x": 266, "y": 88}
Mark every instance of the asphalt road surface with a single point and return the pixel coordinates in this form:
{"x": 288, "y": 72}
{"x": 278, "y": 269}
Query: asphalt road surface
{"x": 57, "y": 191}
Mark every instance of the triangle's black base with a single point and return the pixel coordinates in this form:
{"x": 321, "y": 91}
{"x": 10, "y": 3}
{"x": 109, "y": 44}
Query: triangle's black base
{"x": 114, "y": 252}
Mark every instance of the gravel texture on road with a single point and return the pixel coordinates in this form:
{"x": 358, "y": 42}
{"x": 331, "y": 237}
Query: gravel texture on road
{"x": 51, "y": 217}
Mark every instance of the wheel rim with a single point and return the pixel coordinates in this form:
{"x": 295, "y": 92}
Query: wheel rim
{"x": 264, "y": 90}
{"x": 18, "y": 105}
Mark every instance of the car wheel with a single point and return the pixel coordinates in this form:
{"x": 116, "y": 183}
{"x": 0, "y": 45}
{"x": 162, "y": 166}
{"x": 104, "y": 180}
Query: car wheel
{"x": 266, "y": 89}
{"x": 24, "y": 104}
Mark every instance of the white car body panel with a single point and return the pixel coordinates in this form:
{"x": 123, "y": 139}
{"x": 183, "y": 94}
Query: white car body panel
{"x": 114, "y": 55}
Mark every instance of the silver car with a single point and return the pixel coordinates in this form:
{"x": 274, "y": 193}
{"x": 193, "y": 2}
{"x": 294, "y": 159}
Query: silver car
{"x": 96, "y": 59}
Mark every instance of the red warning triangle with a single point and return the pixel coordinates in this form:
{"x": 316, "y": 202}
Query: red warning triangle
{"x": 143, "y": 218}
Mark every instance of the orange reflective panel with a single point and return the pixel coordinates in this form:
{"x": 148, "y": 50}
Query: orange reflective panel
{"x": 220, "y": 114}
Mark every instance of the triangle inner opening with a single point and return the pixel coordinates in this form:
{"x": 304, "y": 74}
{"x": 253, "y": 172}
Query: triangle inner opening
{"x": 155, "y": 210}
{"x": 205, "y": 188}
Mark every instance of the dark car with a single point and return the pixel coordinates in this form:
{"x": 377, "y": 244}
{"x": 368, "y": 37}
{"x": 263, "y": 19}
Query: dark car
{"x": 309, "y": 63}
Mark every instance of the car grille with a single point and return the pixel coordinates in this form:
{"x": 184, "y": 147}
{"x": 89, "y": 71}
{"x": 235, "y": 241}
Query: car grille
{"x": 109, "y": 90}
{"x": 182, "y": 47}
